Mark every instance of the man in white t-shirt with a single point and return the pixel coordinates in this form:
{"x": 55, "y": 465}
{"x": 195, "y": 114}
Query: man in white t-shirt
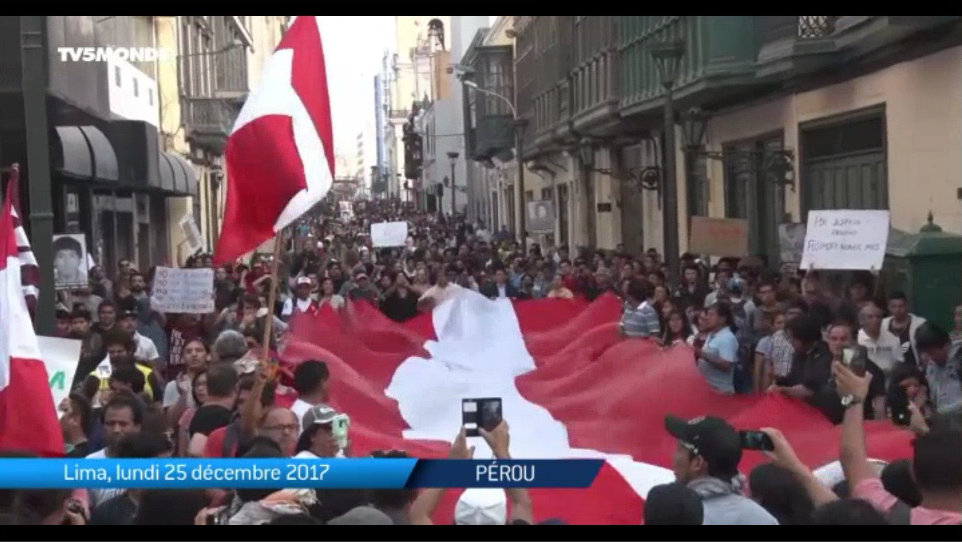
{"x": 146, "y": 352}
{"x": 884, "y": 347}
{"x": 444, "y": 290}
{"x": 121, "y": 416}
{"x": 310, "y": 382}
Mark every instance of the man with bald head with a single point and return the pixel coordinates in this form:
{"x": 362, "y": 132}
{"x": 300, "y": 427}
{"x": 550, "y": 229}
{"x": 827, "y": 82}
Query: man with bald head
{"x": 884, "y": 347}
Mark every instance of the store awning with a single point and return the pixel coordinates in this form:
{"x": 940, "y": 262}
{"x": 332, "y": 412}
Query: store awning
{"x": 75, "y": 158}
{"x": 177, "y": 173}
{"x": 104, "y": 157}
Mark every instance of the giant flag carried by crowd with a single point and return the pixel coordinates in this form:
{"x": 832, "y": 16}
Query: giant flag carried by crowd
{"x": 280, "y": 154}
{"x": 571, "y": 388}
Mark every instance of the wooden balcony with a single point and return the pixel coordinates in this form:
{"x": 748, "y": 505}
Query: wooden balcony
{"x": 208, "y": 122}
{"x": 594, "y": 75}
{"x": 718, "y": 65}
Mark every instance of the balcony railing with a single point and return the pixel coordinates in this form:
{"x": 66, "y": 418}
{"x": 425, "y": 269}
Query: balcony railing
{"x": 209, "y": 121}
{"x": 232, "y": 81}
{"x": 595, "y": 82}
{"x": 799, "y": 27}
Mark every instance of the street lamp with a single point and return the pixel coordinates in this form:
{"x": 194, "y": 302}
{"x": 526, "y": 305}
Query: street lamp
{"x": 667, "y": 56}
{"x": 453, "y": 157}
{"x": 519, "y": 126}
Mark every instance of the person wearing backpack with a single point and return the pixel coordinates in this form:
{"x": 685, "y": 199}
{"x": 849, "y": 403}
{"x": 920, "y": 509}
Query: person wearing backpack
{"x": 742, "y": 309}
{"x": 936, "y": 465}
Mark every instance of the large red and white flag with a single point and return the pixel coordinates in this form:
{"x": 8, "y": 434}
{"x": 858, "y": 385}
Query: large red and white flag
{"x": 280, "y": 154}
{"x": 571, "y": 388}
{"x": 28, "y": 417}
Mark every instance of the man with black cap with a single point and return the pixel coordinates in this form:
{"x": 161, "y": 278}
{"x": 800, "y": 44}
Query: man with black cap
{"x": 706, "y": 460}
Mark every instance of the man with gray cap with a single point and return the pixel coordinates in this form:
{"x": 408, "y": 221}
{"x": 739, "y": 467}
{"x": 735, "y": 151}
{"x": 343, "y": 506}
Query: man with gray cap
{"x": 706, "y": 460}
{"x": 318, "y": 438}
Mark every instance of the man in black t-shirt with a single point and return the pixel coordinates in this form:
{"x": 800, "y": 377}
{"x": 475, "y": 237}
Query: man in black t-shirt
{"x": 217, "y": 411}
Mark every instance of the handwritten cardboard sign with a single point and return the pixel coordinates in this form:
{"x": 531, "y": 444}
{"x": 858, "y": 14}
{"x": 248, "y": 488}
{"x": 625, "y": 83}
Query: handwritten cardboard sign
{"x": 718, "y": 236}
{"x": 189, "y": 291}
{"x": 846, "y": 239}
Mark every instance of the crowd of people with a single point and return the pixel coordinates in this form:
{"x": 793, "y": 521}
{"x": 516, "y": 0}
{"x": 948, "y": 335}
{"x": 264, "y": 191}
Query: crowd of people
{"x": 152, "y": 385}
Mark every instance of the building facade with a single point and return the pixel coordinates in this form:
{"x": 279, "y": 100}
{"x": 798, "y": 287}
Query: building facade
{"x": 86, "y": 134}
{"x": 411, "y": 80}
{"x": 766, "y": 123}
{"x": 219, "y": 61}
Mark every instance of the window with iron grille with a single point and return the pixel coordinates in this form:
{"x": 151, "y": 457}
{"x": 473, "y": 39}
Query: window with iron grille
{"x": 737, "y": 178}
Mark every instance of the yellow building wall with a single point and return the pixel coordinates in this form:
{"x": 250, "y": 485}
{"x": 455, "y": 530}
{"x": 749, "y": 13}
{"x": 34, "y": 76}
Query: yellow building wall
{"x": 172, "y": 132}
{"x": 923, "y": 106}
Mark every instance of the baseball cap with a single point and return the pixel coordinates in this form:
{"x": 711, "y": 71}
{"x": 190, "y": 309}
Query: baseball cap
{"x": 302, "y": 281}
{"x": 318, "y": 415}
{"x": 673, "y": 504}
{"x": 481, "y": 506}
{"x": 360, "y": 276}
{"x": 710, "y": 437}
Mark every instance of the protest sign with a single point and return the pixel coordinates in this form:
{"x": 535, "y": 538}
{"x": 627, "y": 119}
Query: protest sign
{"x": 389, "y": 234}
{"x": 70, "y": 264}
{"x": 189, "y": 291}
{"x": 791, "y": 242}
{"x": 845, "y": 239}
{"x": 718, "y": 236}
{"x": 60, "y": 357}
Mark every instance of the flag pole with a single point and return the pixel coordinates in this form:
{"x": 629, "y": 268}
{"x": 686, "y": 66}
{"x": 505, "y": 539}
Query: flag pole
{"x": 272, "y": 299}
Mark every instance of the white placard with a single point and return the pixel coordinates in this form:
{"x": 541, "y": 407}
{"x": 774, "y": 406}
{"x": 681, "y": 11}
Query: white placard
{"x": 189, "y": 291}
{"x": 846, "y": 239}
{"x": 195, "y": 241}
{"x": 60, "y": 357}
{"x": 389, "y": 234}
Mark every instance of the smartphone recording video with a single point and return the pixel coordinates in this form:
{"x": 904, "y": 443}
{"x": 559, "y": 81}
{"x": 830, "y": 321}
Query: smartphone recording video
{"x": 756, "y": 440}
{"x": 483, "y": 413}
{"x": 898, "y": 404}
{"x": 855, "y": 359}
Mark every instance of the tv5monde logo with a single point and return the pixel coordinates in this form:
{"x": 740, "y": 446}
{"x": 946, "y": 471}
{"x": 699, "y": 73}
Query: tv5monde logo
{"x": 113, "y": 54}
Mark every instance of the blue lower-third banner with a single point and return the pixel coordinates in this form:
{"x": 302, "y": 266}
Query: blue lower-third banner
{"x": 366, "y": 473}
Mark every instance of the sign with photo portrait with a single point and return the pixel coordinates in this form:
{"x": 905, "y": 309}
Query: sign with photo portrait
{"x": 70, "y": 261}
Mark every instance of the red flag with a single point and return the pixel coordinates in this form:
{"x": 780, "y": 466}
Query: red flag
{"x": 571, "y": 387}
{"x": 280, "y": 155}
{"x": 28, "y": 417}
{"x": 29, "y": 270}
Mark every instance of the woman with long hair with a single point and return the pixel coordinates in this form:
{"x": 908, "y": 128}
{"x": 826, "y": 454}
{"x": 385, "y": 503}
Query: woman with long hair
{"x": 677, "y": 329}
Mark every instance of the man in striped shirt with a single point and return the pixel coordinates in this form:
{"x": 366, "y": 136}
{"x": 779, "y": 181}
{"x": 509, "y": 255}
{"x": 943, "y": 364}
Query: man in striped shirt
{"x": 640, "y": 318}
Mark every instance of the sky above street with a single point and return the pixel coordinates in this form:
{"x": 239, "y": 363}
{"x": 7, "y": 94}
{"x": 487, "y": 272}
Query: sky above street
{"x": 353, "y": 49}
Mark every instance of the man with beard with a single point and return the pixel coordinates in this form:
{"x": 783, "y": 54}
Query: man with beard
{"x": 138, "y": 285}
{"x": 122, "y": 416}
